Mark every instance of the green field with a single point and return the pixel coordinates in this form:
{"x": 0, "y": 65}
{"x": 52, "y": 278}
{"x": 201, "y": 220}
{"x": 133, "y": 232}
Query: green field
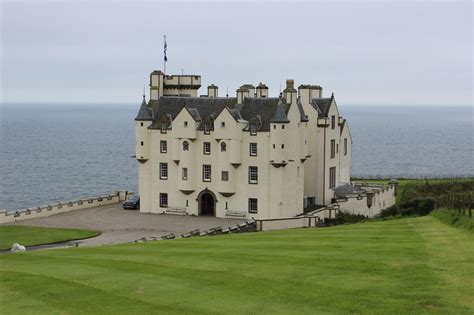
{"x": 32, "y": 235}
{"x": 409, "y": 265}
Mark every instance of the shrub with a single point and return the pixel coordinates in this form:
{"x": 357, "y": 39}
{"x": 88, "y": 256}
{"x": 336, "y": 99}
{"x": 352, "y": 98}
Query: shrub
{"x": 344, "y": 217}
{"x": 420, "y": 206}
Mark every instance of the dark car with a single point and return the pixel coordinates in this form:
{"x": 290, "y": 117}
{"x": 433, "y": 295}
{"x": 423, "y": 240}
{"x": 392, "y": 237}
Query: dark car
{"x": 132, "y": 203}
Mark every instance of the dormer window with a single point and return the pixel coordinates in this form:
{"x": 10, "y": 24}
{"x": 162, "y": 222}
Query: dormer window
{"x": 223, "y": 147}
{"x": 207, "y": 128}
{"x": 253, "y": 129}
{"x": 163, "y": 127}
{"x": 185, "y": 146}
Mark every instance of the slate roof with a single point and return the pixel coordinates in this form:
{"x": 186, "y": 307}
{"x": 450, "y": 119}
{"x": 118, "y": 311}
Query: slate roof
{"x": 347, "y": 189}
{"x": 267, "y": 110}
{"x": 322, "y": 105}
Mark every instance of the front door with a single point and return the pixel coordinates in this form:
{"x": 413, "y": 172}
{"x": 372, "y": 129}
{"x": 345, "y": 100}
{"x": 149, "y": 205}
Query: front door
{"x": 207, "y": 204}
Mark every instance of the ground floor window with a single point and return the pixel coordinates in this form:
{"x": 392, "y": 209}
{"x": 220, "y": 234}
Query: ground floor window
{"x": 332, "y": 177}
{"x": 253, "y": 205}
{"x": 163, "y": 170}
{"x": 163, "y": 200}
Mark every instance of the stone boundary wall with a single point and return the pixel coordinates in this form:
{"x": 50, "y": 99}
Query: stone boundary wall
{"x": 315, "y": 218}
{"x": 61, "y": 207}
{"x": 382, "y": 198}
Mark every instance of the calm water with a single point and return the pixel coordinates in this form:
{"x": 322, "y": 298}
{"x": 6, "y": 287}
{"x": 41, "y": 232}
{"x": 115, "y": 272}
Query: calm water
{"x": 55, "y": 153}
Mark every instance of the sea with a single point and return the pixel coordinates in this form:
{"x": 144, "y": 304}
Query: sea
{"x": 60, "y": 152}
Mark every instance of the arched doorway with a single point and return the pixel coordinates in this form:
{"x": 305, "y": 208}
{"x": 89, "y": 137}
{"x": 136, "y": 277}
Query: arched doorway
{"x": 207, "y": 203}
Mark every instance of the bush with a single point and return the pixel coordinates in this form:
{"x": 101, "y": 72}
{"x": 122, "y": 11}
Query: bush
{"x": 419, "y": 206}
{"x": 389, "y": 212}
{"x": 344, "y": 217}
{"x": 454, "y": 218}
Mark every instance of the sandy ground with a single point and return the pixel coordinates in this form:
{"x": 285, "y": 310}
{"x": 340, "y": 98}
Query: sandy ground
{"x": 121, "y": 226}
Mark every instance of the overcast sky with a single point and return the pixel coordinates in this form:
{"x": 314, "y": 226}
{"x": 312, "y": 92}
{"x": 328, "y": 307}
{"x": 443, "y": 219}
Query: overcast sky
{"x": 365, "y": 52}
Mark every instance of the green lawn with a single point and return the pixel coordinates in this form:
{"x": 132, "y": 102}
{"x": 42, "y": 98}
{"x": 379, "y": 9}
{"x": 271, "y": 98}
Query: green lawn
{"x": 409, "y": 265}
{"x": 32, "y": 235}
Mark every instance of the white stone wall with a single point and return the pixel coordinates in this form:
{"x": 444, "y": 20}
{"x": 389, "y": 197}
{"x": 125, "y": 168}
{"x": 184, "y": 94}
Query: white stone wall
{"x": 358, "y": 205}
{"x": 49, "y": 210}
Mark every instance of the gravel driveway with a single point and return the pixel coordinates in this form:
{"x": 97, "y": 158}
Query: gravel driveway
{"x": 121, "y": 226}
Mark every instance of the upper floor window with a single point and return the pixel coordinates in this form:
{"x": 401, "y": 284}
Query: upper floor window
{"x": 163, "y": 170}
{"x": 141, "y": 143}
{"x": 225, "y": 176}
{"x": 333, "y": 122}
{"x": 163, "y": 127}
{"x": 223, "y": 124}
{"x": 184, "y": 173}
{"x": 282, "y": 146}
{"x": 253, "y": 205}
{"x": 345, "y": 146}
{"x": 333, "y": 149}
{"x": 253, "y": 129}
{"x": 185, "y": 146}
{"x": 206, "y": 148}
{"x": 141, "y": 124}
{"x": 332, "y": 177}
{"x": 185, "y": 124}
{"x": 282, "y": 126}
{"x": 163, "y": 146}
{"x": 253, "y": 149}
{"x": 223, "y": 147}
{"x": 206, "y": 173}
{"x": 207, "y": 128}
{"x": 253, "y": 175}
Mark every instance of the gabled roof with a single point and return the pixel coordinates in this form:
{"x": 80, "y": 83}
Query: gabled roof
{"x": 268, "y": 110}
{"x": 322, "y": 105}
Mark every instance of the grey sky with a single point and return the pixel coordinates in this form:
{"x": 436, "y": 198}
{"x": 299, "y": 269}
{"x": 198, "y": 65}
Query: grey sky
{"x": 364, "y": 52}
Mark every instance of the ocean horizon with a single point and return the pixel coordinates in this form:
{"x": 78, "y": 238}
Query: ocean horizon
{"x": 54, "y": 152}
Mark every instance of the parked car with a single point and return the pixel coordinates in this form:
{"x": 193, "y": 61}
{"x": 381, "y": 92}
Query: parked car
{"x": 132, "y": 203}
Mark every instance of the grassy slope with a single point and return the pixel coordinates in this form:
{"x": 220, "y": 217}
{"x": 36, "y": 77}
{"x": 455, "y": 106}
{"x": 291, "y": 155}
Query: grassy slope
{"x": 454, "y": 218}
{"x": 412, "y": 265}
{"x": 32, "y": 235}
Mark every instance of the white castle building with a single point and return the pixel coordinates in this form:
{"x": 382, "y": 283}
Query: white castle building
{"x": 251, "y": 155}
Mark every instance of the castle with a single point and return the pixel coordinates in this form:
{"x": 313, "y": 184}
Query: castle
{"x": 248, "y": 156}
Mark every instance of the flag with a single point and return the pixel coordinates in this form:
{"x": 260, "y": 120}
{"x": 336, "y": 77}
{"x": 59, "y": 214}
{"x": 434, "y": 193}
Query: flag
{"x": 165, "y": 48}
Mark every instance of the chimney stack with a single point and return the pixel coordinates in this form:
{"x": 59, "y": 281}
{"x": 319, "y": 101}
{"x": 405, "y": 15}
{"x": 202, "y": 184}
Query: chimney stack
{"x": 309, "y": 92}
{"x": 212, "y": 91}
{"x": 246, "y": 90}
{"x": 262, "y": 90}
{"x": 290, "y": 92}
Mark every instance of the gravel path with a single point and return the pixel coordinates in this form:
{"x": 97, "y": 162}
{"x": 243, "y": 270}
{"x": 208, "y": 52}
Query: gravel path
{"x": 121, "y": 226}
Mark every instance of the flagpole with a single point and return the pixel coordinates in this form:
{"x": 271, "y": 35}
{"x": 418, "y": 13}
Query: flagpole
{"x": 164, "y": 59}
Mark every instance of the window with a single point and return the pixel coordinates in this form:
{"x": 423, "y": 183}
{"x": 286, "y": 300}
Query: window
{"x": 185, "y": 146}
{"x": 225, "y": 176}
{"x": 184, "y": 173}
{"x": 163, "y": 170}
{"x": 253, "y": 175}
{"x": 282, "y": 126}
{"x": 163, "y": 146}
{"x": 333, "y": 122}
{"x": 223, "y": 124}
{"x": 333, "y": 149}
{"x": 337, "y": 148}
{"x": 253, "y": 149}
{"x": 141, "y": 124}
{"x": 206, "y": 173}
{"x": 163, "y": 200}
{"x": 345, "y": 146}
{"x": 253, "y": 205}
{"x": 274, "y": 126}
{"x": 207, "y": 128}
{"x": 141, "y": 143}
{"x": 282, "y": 146}
{"x": 206, "y": 148}
{"x": 253, "y": 129}
{"x": 164, "y": 127}
{"x": 274, "y": 146}
{"x": 332, "y": 177}
{"x": 223, "y": 147}
{"x": 185, "y": 124}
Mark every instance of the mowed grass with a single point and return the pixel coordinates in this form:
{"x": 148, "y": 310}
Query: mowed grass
{"x": 405, "y": 266}
{"x": 33, "y": 235}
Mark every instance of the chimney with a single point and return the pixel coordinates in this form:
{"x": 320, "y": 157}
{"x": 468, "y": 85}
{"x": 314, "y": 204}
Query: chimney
{"x": 246, "y": 90}
{"x": 309, "y": 92}
{"x": 212, "y": 91}
{"x": 290, "y": 92}
{"x": 262, "y": 90}
{"x": 156, "y": 84}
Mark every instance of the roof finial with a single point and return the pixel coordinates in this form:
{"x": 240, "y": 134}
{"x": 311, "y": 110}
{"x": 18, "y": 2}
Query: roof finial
{"x": 227, "y": 91}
